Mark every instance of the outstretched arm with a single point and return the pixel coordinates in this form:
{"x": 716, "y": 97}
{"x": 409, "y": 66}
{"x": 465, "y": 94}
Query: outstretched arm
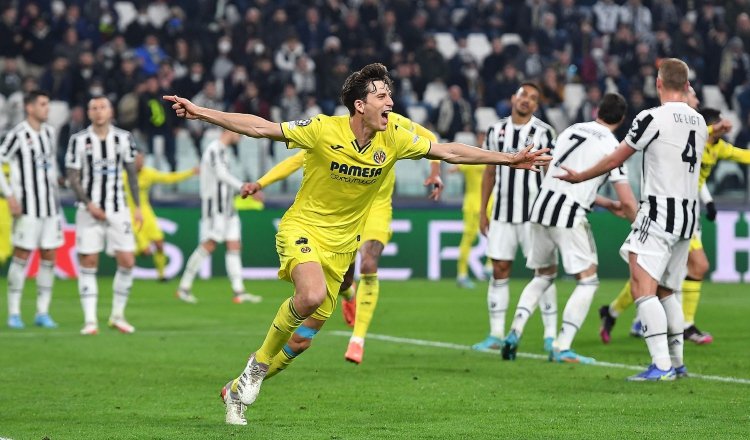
{"x": 282, "y": 170}
{"x": 247, "y": 124}
{"x": 454, "y": 152}
{"x": 608, "y": 163}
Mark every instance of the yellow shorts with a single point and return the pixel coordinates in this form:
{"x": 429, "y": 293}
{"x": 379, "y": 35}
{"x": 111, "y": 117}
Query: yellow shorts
{"x": 378, "y": 225}
{"x": 294, "y": 247}
{"x": 471, "y": 221}
{"x": 6, "y": 225}
{"x": 696, "y": 243}
{"x": 149, "y": 233}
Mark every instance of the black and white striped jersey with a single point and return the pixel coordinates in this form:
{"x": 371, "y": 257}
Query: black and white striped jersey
{"x": 672, "y": 137}
{"x": 33, "y": 171}
{"x": 580, "y": 146}
{"x": 101, "y": 162}
{"x": 218, "y": 186}
{"x": 515, "y": 189}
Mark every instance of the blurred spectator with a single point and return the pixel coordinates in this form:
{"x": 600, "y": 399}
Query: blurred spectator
{"x": 303, "y": 75}
{"x": 139, "y": 28}
{"x": 311, "y": 109}
{"x": 413, "y": 33}
{"x": 552, "y": 88}
{"x": 222, "y": 65}
{"x": 286, "y": 57}
{"x": 290, "y": 104}
{"x": 606, "y": 16}
{"x": 249, "y": 101}
{"x": 429, "y": 57}
{"x": 124, "y": 80}
{"x": 351, "y": 34}
{"x": 70, "y": 47}
{"x": 742, "y": 28}
{"x": 590, "y": 107}
{"x": 688, "y": 45}
{"x": 613, "y": 81}
{"x": 665, "y": 15}
{"x": 38, "y": 45}
{"x": 734, "y": 70}
{"x": 85, "y": 72}
{"x": 182, "y": 56}
{"x": 192, "y": 83}
{"x": 637, "y": 16}
{"x": 495, "y": 61}
{"x": 454, "y": 114}
{"x": 208, "y": 97}
{"x": 156, "y": 121}
{"x": 533, "y": 63}
{"x": 76, "y": 123}
{"x": 235, "y": 84}
{"x": 14, "y": 108}
{"x": 150, "y": 54}
{"x": 548, "y": 36}
{"x": 10, "y": 33}
{"x": 270, "y": 82}
{"x": 502, "y": 88}
{"x": 715, "y": 44}
{"x": 10, "y": 77}
{"x": 312, "y": 31}
{"x": 278, "y": 30}
{"x": 57, "y": 80}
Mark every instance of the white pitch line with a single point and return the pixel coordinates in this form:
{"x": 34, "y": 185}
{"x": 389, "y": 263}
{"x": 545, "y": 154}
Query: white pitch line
{"x": 452, "y": 346}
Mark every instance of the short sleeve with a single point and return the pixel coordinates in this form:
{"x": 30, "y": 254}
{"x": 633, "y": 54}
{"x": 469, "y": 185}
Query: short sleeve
{"x": 8, "y": 146}
{"x": 490, "y": 140}
{"x": 130, "y": 149}
{"x": 409, "y": 145}
{"x": 548, "y": 139}
{"x": 642, "y": 132}
{"x": 72, "y": 158}
{"x": 618, "y": 174}
{"x": 303, "y": 133}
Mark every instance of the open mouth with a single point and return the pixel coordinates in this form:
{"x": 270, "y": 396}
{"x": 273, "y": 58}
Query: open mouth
{"x": 384, "y": 116}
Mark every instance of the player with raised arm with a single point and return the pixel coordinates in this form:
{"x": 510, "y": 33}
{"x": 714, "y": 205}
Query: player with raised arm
{"x": 219, "y": 221}
{"x": 359, "y": 309}
{"x": 151, "y": 233}
{"x": 507, "y": 226}
{"x": 319, "y": 235}
{"x": 95, "y": 161}
{"x": 559, "y": 224}
{"x": 32, "y": 196}
{"x": 672, "y": 137}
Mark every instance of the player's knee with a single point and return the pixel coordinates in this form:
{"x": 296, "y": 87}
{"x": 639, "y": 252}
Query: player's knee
{"x": 311, "y": 299}
{"x": 22, "y": 254}
{"x": 698, "y": 269}
{"x": 500, "y": 271}
{"x": 126, "y": 261}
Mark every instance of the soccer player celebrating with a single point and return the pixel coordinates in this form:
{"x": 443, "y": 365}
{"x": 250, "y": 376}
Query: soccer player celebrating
{"x": 559, "y": 224}
{"x": 507, "y": 226}
{"x": 346, "y": 161}
{"x": 32, "y": 197}
{"x": 95, "y": 160}
{"x": 150, "y": 232}
{"x": 358, "y": 310}
{"x": 219, "y": 221}
{"x": 672, "y": 137}
{"x": 470, "y": 210}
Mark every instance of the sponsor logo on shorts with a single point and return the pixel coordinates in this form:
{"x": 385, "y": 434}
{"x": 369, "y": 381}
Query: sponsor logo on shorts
{"x": 305, "y": 249}
{"x": 302, "y": 240}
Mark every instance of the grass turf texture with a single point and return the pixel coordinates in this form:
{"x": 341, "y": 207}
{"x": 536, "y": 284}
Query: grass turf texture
{"x": 164, "y": 381}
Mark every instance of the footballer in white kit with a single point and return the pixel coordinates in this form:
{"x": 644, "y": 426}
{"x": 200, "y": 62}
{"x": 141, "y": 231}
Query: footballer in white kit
{"x": 672, "y": 137}
{"x": 559, "y": 225}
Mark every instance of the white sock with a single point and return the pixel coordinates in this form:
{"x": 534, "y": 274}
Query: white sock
{"x": 654, "y": 325}
{"x": 529, "y": 300}
{"x": 88, "y": 289}
{"x": 44, "y": 280}
{"x": 675, "y": 328}
{"x": 497, "y": 304}
{"x": 16, "y": 280}
{"x": 234, "y": 271}
{"x": 612, "y": 312}
{"x": 576, "y": 310}
{"x": 121, "y": 290}
{"x": 548, "y": 306}
{"x": 192, "y": 267}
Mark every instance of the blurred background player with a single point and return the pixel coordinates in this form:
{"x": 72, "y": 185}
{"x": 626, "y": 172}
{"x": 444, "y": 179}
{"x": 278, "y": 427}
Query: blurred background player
{"x": 95, "y": 160}
{"x": 672, "y": 137}
{"x": 219, "y": 221}
{"x": 358, "y": 308}
{"x": 6, "y": 223}
{"x": 507, "y": 226}
{"x": 32, "y": 196}
{"x": 470, "y": 210}
{"x": 559, "y": 224}
{"x": 150, "y": 232}
{"x": 716, "y": 149}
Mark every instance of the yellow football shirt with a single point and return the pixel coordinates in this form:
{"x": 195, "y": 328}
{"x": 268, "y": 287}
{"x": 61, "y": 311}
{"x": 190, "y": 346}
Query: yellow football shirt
{"x": 472, "y": 186}
{"x": 713, "y": 153}
{"x": 342, "y": 178}
{"x": 147, "y": 177}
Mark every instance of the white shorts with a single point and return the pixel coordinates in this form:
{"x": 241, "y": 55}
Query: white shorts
{"x": 576, "y": 245}
{"x": 503, "y": 240}
{"x": 663, "y": 255}
{"x": 220, "y": 228}
{"x": 32, "y": 233}
{"x": 116, "y": 231}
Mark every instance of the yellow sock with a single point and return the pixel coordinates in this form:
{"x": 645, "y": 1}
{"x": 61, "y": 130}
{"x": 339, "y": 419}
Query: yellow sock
{"x": 467, "y": 239}
{"x": 622, "y": 302}
{"x": 367, "y": 300}
{"x": 284, "y": 324}
{"x": 279, "y": 363}
{"x": 691, "y": 294}
{"x": 160, "y": 262}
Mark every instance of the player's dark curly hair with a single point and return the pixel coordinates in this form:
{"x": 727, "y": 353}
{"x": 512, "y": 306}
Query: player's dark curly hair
{"x": 360, "y": 83}
{"x": 612, "y": 108}
{"x": 711, "y": 115}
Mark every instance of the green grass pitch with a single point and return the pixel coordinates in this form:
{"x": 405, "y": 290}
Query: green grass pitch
{"x": 163, "y": 382}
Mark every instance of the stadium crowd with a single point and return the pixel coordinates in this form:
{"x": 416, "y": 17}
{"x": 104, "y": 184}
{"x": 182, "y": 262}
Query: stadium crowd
{"x": 286, "y": 60}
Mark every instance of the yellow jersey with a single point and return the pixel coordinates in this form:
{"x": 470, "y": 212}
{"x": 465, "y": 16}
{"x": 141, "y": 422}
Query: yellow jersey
{"x": 342, "y": 178}
{"x": 147, "y": 177}
{"x": 712, "y": 153}
{"x": 472, "y": 186}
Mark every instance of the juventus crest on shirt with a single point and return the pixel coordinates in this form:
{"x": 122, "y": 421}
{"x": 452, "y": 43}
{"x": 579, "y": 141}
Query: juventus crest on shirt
{"x": 672, "y": 137}
{"x": 101, "y": 162}
{"x": 516, "y": 189}
{"x": 33, "y": 173}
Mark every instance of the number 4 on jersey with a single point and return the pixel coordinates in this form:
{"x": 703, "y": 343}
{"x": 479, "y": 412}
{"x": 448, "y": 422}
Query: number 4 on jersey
{"x": 688, "y": 154}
